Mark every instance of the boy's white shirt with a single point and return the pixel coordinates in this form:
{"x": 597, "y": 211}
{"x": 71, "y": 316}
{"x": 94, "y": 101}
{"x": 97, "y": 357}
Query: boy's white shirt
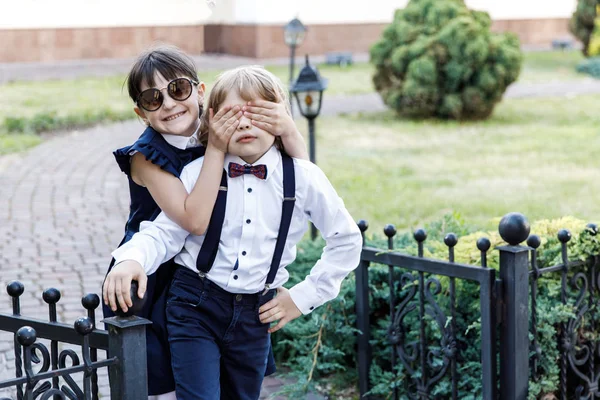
{"x": 250, "y": 230}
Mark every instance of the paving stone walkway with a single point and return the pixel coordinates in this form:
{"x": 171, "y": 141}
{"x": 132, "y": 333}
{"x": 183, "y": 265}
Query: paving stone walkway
{"x": 63, "y": 205}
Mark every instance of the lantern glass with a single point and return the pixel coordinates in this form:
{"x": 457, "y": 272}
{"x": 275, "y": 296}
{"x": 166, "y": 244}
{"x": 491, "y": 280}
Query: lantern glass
{"x": 309, "y": 103}
{"x": 293, "y": 33}
{"x": 291, "y": 38}
{"x": 299, "y": 38}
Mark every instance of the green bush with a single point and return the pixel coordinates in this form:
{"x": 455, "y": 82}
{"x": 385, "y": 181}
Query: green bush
{"x": 320, "y": 349}
{"x": 582, "y": 22}
{"x": 439, "y": 59}
{"x": 590, "y": 66}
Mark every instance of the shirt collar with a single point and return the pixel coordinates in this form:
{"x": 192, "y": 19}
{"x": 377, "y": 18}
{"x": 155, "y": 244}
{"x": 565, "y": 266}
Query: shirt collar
{"x": 270, "y": 159}
{"x": 183, "y": 142}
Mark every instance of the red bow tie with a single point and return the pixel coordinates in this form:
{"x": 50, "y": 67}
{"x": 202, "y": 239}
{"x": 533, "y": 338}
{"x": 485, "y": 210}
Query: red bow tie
{"x": 259, "y": 171}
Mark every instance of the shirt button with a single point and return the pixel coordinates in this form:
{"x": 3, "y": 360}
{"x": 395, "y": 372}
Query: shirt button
{"x": 249, "y": 190}
{"x": 248, "y": 221}
{"x": 238, "y": 297}
{"x": 244, "y": 253}
{"x": 235, "y": 277}
{"x": 312, "y": 308}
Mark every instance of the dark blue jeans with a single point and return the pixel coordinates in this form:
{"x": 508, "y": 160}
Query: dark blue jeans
{"x": 219, "y": 347}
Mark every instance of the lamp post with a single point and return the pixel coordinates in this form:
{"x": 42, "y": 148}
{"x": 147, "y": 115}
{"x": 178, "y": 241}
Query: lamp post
{"x": 293, "y": 34}
{"x": 308, "y": 91}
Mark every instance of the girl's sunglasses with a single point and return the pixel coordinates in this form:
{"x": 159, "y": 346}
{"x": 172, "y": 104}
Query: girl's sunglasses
{"x": 179, "y": 89}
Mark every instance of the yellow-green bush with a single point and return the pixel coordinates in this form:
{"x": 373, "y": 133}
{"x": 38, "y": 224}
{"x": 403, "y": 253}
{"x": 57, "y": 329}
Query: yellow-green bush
{"x": 320, "y": 349}
{"x": 582, "y": 24}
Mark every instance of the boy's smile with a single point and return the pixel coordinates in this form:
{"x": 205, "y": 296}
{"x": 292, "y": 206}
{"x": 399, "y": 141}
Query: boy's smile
{"x": 249, "y": 142}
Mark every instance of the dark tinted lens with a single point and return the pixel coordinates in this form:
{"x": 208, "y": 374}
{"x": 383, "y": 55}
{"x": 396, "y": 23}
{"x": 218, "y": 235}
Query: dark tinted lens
{"x": 180, "y": 89}
{"x": 150, "y": 100}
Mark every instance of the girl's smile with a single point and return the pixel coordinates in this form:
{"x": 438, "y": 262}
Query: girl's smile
{"x": 174, "y": 117}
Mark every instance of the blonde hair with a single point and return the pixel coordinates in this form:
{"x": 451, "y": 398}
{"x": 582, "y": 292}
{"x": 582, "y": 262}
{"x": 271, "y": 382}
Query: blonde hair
{"x": 250, "y": 82}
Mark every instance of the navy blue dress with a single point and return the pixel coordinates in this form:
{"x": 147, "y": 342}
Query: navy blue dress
{"x": 143, "y": 208}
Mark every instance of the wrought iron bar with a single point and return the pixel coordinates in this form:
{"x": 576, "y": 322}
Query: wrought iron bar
{"x": 91, "y": 302}
{"x": 15, "y": 290}
{"x": 51, "y": 297}
{"x": 564, "y": 236}
{"x": 420, "y": 235}
{"x": 362, "y": 318}
{"x": 450, "y": 240}
{"x": 428, "y": 265}
{"x": 560, "y": 267}
{"x": 483, "y": 244}
{"x": 390, "y": 231}
{"x": 64, "y": 333}
{"x": 593, "y": 293}
{"x": 534, "y": 242}
{"x": 487, "y": 300}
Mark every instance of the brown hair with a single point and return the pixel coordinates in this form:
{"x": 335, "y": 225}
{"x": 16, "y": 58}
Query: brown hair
{"x": 250, "y": 82}
{"x": 170, "y": 61}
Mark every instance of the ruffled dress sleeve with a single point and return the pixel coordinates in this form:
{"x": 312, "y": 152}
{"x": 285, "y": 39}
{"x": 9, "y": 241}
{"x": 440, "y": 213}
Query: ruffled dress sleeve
{"x": 153, "y": 148}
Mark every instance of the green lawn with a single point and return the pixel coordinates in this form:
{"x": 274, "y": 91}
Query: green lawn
{"x": 544, "y": 66}
{"x": 536, "y": 156}
{"x": 38, "y": 106}
{"x": 16, "y": 143}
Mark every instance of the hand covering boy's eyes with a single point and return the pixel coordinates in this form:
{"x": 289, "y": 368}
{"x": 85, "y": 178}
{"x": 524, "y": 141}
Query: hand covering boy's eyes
{"x": 179, "y": 89}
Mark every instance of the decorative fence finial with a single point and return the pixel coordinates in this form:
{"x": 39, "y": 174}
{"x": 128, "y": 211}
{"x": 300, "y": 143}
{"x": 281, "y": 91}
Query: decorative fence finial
{"x": 514, "y": 228}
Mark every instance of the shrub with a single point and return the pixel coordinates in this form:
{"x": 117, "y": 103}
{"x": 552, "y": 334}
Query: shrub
{"x": 320, "y": 349}
{"x": 590, "y": 66}
{"x": 439, "y": 59}
{"x": 582, "y": 23}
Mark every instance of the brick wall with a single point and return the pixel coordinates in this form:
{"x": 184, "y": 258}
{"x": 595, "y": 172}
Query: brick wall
{"x": 33, "y": 45}
{"x": 259, "y": 41}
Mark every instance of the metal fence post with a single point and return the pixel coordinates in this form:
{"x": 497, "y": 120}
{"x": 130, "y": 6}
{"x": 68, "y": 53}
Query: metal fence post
{"x": 362, "y": 320}
{"x": 127, "y": 342}
{"x": 514, "y": 329}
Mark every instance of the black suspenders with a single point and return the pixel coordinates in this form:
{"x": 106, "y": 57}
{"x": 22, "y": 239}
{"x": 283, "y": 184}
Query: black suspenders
{"x": 209, "y": 248}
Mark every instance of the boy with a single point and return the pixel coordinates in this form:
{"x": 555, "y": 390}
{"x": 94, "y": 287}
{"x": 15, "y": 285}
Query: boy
{"x": 221, "y": 301}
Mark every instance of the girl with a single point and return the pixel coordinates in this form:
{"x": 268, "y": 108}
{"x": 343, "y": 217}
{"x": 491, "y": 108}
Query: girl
{"x": 168, "y": 97}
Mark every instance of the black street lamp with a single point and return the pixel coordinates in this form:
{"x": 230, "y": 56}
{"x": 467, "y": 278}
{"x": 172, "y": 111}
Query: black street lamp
{"x": 308, "y": 91}
{"x": 293, "y": 34}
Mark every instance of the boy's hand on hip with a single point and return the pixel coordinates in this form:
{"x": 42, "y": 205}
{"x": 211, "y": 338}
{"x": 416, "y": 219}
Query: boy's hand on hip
{"x": 117, "y": 284}
{"x": 281, "y": 308}
{"x": 271, "y": 117}
{"x": 222, "y": 126}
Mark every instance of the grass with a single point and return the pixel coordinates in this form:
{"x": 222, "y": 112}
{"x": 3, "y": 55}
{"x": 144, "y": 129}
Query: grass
{"x": 16, "y": 143}
{"x": 535, "y": 156}
{"x": 545, "y": 66}
{"x": 32, "y": 107}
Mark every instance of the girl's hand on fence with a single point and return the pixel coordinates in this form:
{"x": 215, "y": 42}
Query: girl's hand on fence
{"x": 281, "y": 308}
{"x": 117, "y": 284}
{"x": 271, "y": 117}
{"x": 222, "y": 125}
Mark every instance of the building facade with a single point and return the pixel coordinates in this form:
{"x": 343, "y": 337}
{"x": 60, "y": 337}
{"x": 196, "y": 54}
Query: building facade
{"x": 54, "y": 30}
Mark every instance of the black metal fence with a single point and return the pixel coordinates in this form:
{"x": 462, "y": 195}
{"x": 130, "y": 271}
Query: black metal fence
{"x": 124, "y": 343}
{"x": 417, "y": 286}
{"x": 506, "y": 321}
